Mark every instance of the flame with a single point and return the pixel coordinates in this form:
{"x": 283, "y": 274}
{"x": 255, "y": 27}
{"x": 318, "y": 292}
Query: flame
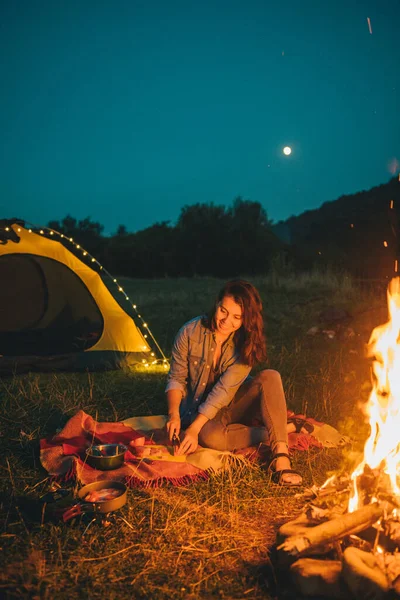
{"x": 382, "y": 448}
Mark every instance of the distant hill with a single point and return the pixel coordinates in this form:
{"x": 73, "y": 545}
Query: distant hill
{"x": 357, "y": 232}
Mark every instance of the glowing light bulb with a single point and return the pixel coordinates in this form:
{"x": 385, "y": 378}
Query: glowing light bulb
{"x": 287, "y": 150}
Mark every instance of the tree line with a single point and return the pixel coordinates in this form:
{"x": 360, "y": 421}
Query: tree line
{"x": 356, "y": 233}
{"x": 207, "y": 239}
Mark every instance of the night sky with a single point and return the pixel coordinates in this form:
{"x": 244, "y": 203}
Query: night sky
{"x": 127, "y": 110}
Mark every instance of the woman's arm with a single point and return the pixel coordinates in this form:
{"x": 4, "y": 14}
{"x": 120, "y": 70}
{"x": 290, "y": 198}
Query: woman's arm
{"x": 221, "y": 395}
{"x": 178, "y": 371}
{"x": 224, "y": 389}
{"x": 176, "y": 383}
{"x": 173, "y": 425}
{"x": 191, "y": 439}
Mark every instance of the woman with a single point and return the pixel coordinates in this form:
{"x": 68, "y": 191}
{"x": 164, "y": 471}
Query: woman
{"x": 209, "y": 392}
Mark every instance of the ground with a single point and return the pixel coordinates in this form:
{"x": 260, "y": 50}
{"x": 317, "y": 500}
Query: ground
{"x": 213, "y": 539}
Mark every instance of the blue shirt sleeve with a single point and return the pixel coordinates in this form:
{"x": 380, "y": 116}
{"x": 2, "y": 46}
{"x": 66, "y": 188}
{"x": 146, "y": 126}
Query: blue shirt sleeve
{"x": 224, "y": 389}
{"x": 178, "y": 372}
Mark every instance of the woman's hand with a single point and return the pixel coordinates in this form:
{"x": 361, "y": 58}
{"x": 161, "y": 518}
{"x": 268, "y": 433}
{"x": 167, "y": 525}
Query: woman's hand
{"x": 173, "y": 426}
{"x": 189, "y": 443}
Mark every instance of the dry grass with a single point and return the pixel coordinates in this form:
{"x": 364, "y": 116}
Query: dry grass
{"x": 208, "y": 540}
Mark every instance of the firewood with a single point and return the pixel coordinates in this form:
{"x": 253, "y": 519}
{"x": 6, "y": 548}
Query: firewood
{"x": 330, "y": 531}
{"x": 390, "y": 563}
{"x": 313, "y": 577}
{"x": 363, "y": 575}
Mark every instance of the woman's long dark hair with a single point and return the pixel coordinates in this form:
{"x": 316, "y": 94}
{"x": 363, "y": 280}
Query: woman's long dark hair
{"x": 250, "y": 338}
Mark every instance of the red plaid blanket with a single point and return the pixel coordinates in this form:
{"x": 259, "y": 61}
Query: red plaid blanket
{"x": 63, "y": 454}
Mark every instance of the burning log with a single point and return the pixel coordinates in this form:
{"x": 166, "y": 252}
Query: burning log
{"x": 364, "y": 575}
{"x": 370, "y": 562}
{"x": 316, "y": 537}
{"x": 313, "y": 577}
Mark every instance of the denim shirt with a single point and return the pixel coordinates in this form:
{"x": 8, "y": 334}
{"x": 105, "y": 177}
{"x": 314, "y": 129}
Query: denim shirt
{"x": 192, "y": 359}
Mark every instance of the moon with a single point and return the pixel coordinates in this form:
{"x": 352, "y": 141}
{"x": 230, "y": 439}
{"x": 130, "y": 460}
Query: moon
{"x": 287, "y": 150}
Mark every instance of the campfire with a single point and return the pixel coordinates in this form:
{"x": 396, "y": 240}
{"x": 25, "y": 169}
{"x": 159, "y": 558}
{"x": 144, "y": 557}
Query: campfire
{"x": 346, "y": 542}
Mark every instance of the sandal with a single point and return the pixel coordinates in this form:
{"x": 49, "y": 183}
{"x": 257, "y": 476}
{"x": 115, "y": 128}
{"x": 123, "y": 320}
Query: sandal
{"x": 301, "y": 423}
{"x": 276, "y": 476}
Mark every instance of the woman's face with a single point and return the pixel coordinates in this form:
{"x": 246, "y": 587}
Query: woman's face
{"x": 229, "y": 316}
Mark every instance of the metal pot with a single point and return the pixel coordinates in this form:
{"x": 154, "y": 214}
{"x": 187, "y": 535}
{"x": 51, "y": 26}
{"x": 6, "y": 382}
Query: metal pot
{"x": 106, "y": 457}
{"x": 83, "y": 505}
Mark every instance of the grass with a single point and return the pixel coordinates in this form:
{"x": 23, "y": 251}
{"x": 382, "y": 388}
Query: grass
{"x": 212, "y": 539}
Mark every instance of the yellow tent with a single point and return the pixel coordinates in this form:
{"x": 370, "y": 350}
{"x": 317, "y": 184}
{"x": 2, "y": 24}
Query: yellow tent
{"x": 55, "y": 311}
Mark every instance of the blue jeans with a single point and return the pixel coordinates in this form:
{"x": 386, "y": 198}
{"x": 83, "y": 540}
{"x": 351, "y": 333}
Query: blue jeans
{"x": 259, "y": 399}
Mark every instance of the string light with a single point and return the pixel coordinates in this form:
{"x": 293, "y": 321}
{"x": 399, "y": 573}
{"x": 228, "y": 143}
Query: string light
{"x": 120, "y": 288}
{"x": 385, "y": 244}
